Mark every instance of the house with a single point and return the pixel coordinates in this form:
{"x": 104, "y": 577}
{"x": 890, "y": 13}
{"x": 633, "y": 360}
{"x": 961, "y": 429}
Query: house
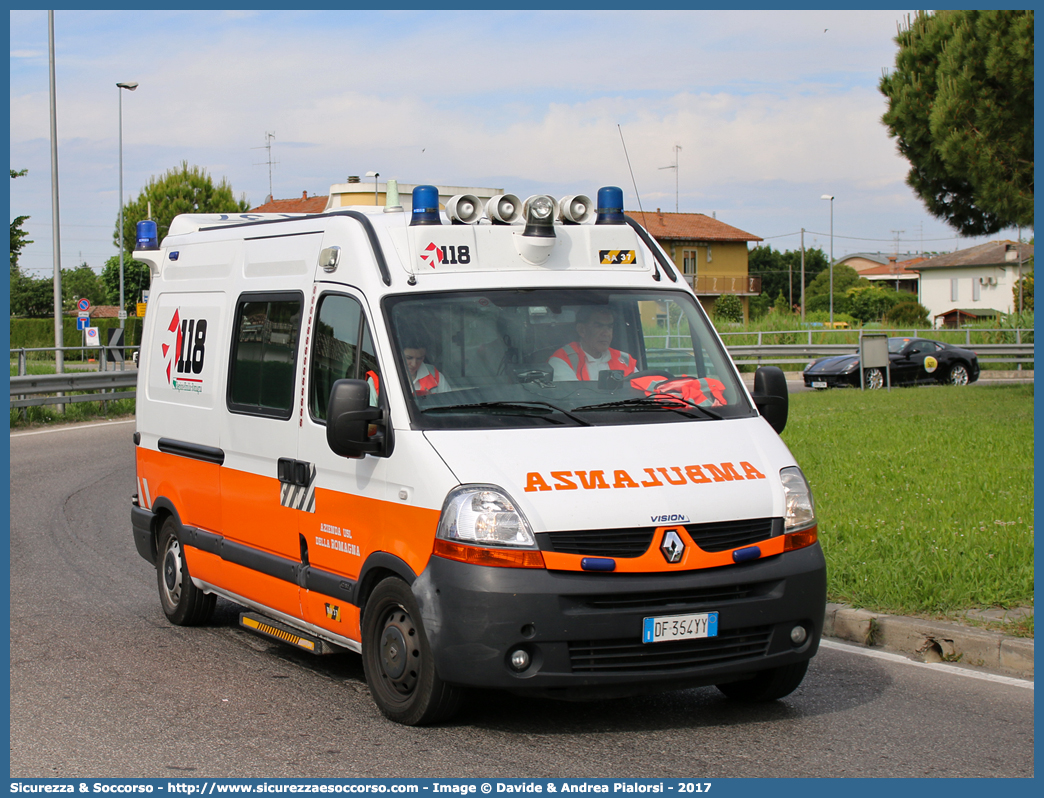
{"x": 357, "y": 192}
{"x": 863, "y": 262}
{"x": 970, "y": 282}
{"x": 710, "y": 254}
{"x": 900, "y": 275}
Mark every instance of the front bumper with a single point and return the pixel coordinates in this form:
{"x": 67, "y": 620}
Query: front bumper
{"x": 833, "y": 380}
{"x": 583, "y": 631}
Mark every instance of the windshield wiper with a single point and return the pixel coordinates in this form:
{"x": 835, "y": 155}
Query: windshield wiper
{"x": 655, "y": 402}
{"x": 523, "y": 405}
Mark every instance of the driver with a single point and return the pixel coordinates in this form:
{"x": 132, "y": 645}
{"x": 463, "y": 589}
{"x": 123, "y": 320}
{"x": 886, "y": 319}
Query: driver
{"x": 424, "y": 377}
{"x": 586, "y": 358}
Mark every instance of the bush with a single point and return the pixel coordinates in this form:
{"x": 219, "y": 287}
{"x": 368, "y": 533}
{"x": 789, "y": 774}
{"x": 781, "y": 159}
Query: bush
{"x": 728, "y": 307}
{"x": 908, "y": 314}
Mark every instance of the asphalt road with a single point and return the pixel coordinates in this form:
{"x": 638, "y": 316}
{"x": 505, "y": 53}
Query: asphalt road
{"x": 103, "y": 686}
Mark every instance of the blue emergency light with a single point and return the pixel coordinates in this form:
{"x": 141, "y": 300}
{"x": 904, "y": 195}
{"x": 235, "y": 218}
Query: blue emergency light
{"x": 610, "y": 206}
{"x": 147, "y": 235}
{"x": 425, "y": 206}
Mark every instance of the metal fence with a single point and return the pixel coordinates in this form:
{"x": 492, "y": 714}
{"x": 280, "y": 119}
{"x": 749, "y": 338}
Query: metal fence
{"x": 104, "y": 385}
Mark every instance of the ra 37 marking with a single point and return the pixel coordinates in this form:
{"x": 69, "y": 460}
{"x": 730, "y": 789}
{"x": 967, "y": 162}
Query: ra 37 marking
{"x": 656, "y": 477}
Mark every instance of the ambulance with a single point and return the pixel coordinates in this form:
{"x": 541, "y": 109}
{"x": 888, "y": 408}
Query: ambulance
{"x": 491, "y": 445}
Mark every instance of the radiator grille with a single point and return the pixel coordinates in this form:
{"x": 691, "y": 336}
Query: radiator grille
{"x": 635, "y": 541}
{"x": 682, "y": 598}
{"x": 632, "y": 656}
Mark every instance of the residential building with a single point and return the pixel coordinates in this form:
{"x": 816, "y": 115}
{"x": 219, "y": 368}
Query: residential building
{"x": 866, "y": 261}
{"x": 900, "y": 275}
{"x": 710, "y": 254}
{"x": 975, "y": 282}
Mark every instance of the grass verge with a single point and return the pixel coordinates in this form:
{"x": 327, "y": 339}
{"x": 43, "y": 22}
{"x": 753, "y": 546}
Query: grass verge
{"x": 924, "y": 495}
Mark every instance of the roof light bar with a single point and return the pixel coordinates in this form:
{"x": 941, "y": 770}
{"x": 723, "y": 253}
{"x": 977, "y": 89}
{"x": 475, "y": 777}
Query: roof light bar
{"x": 610, "y": 206}
{"x": 425, "y": 206}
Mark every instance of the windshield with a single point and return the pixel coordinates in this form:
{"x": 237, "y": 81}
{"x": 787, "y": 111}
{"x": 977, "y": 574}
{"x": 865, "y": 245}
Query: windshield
{"x": 560, "y": 357}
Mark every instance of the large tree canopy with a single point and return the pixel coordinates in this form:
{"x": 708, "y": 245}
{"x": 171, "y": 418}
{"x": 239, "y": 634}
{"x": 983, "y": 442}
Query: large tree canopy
{"x": 180, "y": 190}
{"x": 960, "y": 104}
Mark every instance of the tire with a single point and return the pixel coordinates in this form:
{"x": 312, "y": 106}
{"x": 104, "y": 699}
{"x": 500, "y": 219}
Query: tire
{"x": 183, "y": 603}
{"x": 874, "y": 379}
{"x": 397, "y": 659}
{"x": 767, "y": 685}
{"x": 958, "y": 375}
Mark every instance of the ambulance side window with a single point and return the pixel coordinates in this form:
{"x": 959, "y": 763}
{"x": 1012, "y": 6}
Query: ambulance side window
{"x": 336, "y": 352}
{"x": 264, "y": 351}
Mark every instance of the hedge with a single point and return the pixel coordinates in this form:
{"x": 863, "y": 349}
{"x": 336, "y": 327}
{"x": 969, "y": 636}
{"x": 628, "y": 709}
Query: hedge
{"x": 32, "y": 333}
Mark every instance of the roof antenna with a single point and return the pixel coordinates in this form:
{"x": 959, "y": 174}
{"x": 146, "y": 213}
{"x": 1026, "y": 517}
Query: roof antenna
{"x": 642, "y": 231}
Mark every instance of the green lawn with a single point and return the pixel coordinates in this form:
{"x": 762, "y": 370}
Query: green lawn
{"x": 924, "y": 495}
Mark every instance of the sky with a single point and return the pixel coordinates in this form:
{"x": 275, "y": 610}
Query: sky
{"x": 771, "y": 110}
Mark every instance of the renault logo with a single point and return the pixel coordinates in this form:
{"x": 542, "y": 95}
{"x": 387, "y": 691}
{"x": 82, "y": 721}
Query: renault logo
{"x": 672, "y": 547}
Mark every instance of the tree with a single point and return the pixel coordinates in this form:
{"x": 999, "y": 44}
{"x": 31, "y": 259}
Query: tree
{"x": 845, "y": 277}
{"x": 136, "y": 278}
{"x": 82, "y": 283}
{"x": 872, "y": 302}
{"x": 1027, "y": 292}
{"x": 781, "y": 271}
{"x": 180, "y": 190}
{"x": 908, "y": 313}
{"x": 19, "y": 237}
{"x": 31, "y": 296}
{"x": 960, "y": 105}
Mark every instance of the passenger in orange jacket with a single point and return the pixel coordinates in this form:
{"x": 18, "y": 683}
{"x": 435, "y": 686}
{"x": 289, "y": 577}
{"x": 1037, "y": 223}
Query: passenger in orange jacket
{"x": 591, "y": 355}
{"x": 424, "y": 377}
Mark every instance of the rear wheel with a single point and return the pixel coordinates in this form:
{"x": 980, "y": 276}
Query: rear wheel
{"x": 767, "y": 685}
{"x": 183, "y": 603}
{"x": 398, "y": 662}
{"x": 874, "y": 379}
{"x": 959, "y": 374}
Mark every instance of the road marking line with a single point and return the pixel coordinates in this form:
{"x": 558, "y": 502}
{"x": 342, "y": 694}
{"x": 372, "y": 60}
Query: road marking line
{"x": 935, "y": 666}
{"x": 69, "y": 427}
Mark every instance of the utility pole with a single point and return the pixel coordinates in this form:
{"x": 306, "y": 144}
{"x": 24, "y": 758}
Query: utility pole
{"x": 59, "y": 341}
{"x": 269, "y": 162}
{"x": 895, "y": 265}
{"x": 802, "y": 274}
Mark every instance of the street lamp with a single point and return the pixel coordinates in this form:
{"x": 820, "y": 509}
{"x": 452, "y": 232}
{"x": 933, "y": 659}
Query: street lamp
{"x": 130, "y": 85}
{"x": 374, "y": 175}
{"x": 831, "y": 198}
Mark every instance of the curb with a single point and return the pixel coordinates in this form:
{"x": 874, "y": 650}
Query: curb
{"x": 931, "y": 641}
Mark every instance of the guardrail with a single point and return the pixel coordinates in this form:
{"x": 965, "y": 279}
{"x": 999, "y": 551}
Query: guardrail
{"x": 47, "y": 389}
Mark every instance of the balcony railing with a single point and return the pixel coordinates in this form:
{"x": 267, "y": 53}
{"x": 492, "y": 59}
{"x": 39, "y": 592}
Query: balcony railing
{"x": 744, "y": 286}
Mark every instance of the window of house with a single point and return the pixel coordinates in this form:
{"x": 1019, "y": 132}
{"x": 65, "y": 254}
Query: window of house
{"x": 264, "y": 354}
{"x": 689, "y": 260}
{"x": 953, "y": 289}
{"x": 975, "y": 289}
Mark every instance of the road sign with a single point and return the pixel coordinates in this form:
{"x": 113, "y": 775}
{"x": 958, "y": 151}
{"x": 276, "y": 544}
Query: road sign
{"x": 122, "y": 314}
{"x": 92, "y": 336}
{"x": 141, "y": 308}
{"x": 83, "y": 304}
{"x": 84, "y": 314}
{"x": 83, "y": 322}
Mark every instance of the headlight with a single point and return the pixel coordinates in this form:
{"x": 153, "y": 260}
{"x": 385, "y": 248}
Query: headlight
{"x": 800, "y": 511}
{"x": 850, "y": 367}
{"x": 484, "y": 515}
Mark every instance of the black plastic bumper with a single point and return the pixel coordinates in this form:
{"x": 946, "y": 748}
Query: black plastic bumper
{"x": 144, "y": 542}
{"x": 583, "y": 631}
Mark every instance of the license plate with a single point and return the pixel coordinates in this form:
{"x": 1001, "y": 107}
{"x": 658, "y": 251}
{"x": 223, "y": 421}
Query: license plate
{"x": 819, "y": 384}
{"x": 679, "y": 627}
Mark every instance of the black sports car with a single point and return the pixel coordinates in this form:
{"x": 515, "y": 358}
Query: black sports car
{"x": 912, "y": 360}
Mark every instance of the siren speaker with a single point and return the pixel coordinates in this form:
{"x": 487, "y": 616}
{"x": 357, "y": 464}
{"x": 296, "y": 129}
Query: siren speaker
{"x": 464, "y": 209}
{"x": 504, "y": 209}
{"x": 575, "y": 209}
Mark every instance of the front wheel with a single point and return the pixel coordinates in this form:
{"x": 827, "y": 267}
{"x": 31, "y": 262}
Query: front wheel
{"x": 959, "y": 374}
{"x": 767, "y": 685}
{"x": 874, "y": 379}
{"x": 398, "y": 662}
{"x": 183, "y": 603}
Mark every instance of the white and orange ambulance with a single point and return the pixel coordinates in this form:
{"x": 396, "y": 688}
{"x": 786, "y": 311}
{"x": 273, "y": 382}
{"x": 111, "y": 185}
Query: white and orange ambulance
{"x": 495, "y": 446}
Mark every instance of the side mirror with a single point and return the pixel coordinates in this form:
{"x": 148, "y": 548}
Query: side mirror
{"x": 771, "y": 397}
{"x": 349, "y": 417}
